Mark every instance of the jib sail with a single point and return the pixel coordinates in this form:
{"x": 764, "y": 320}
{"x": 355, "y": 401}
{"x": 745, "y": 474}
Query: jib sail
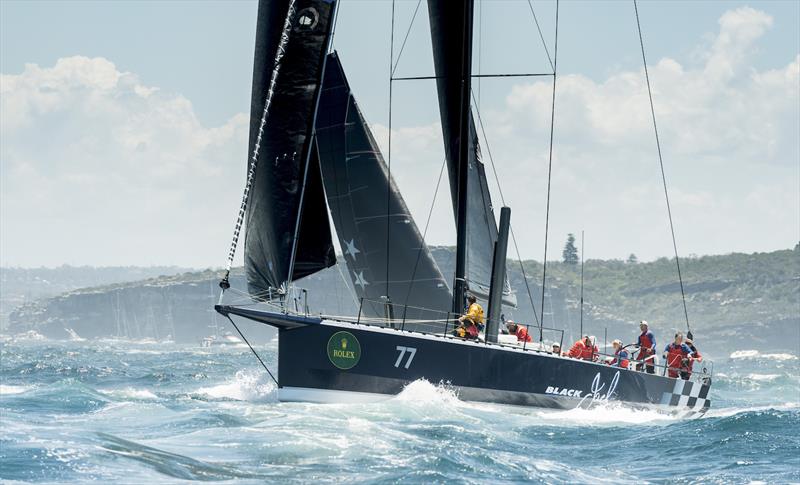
{"x": 358, "y": 188}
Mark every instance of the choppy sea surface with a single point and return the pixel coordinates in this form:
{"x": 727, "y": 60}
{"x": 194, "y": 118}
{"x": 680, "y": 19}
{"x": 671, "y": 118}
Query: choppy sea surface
{"x": 139, "y": 412}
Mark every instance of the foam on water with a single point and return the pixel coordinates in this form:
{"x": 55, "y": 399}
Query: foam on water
{"x": 247, "y": 385}
{"x": 755, "y": 354}
{"x": 6, "y": 389}
{"x": 129, "y": 393}
{"x": 606, "y": 414}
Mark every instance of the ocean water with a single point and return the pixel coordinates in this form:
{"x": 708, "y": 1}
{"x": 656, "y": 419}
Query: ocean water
{"x": 139, "y": 412}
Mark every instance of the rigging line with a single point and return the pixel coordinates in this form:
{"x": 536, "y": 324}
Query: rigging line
{"x": 661, "y": 164}
{"x": 549, "y": 170}
{"x": 503, "y": 200}
{"x": 389, "y": 154}
{"x": 425, "y": 232}
{"x": 252, "y": 349}
{"x": 251, "y": 171}
{"x": 403, "y": 46}
{"x": 544, "y": 44}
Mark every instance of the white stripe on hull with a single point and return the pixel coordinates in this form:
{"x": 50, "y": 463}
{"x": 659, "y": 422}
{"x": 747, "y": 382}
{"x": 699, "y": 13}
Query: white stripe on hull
{"x": 328, "y": 396}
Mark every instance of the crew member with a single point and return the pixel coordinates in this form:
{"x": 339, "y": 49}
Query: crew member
{"x": 647, "y": 348}
{"x": 583, "y": 349}
{"x": 518, "y": 330}
{"x": 695, "y": 357}
{"x": 472, "y": 321}
{"x": 620, "y": 355}
{"x": 557, "y": 349}
{"x": 678, "y": 356}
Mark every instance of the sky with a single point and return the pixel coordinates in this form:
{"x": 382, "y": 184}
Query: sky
{"x": 123, "y": 126}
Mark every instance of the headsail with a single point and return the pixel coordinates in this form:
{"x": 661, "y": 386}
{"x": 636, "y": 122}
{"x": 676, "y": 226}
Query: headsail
{"x": 447, "y": 25}
{"x": 358, "y": 188}
{"x": 287, "y": 190}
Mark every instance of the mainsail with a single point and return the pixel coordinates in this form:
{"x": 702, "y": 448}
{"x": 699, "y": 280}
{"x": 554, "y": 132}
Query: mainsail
{"x": 359, "y": 187}
{"x": 286, "y": 214}
{"x": 446, "y": 19}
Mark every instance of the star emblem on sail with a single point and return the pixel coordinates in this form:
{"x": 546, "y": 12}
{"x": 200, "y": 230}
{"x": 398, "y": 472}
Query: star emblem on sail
{"x": 352, "y": 250}
{"x": 360, "y": 281}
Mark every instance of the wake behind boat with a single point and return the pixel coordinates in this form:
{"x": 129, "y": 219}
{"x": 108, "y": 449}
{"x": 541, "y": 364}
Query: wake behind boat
{"x": 313, "y": 154}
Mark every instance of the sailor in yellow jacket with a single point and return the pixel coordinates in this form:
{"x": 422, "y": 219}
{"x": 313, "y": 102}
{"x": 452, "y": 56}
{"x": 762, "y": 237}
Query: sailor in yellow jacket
{"x": 472, "y": 321}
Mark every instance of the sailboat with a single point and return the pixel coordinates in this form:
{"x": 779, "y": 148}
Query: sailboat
{"x": 312, "y": 154}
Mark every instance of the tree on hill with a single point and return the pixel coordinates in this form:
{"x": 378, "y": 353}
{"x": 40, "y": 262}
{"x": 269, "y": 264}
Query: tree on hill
{"x": 570, "y": 252}
{"x": 632, "y": 259}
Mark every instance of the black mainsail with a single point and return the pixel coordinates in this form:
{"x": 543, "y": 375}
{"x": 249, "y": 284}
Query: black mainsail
{"x": 287, "y": 226}
{"x": 448, "y": 37}
{"x": 359, "y": 187}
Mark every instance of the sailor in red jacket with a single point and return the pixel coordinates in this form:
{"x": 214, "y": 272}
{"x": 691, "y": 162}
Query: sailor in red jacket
{"x": 695, "y": 357}
{"x": 647, "y": 348}
{"x": 678, "y": 356}
{"x": 518, "y": 330}
{"x": 583, "y": 349}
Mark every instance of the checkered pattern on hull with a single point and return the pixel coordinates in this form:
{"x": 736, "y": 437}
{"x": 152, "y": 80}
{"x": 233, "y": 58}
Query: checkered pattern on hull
{"x": 691, "y": 396}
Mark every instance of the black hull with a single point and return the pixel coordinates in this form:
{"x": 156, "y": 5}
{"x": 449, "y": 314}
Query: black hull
{"x": 388, "y": 359}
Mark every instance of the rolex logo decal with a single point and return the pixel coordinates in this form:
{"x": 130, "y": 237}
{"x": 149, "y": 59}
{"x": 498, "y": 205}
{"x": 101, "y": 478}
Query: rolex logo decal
{"x": 344, "y": 350}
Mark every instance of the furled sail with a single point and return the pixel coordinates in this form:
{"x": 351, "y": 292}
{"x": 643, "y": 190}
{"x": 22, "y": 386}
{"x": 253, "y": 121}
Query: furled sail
{"x": 358, "y": 188}
{"x": 446, "y": 19}
{"x": 287, "y": 189}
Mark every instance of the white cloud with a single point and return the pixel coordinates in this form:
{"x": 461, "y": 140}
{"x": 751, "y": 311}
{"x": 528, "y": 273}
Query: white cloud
{"x": 729, "y": 135}
{"x": 99, "y": 168}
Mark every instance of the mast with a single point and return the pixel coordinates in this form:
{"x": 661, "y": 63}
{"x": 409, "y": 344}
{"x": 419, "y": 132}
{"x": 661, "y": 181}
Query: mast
{"x": 459, "y": 285}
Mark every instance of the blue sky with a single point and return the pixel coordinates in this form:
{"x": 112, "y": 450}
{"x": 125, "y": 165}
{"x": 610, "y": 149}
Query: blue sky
{"x": 196, "y": 57}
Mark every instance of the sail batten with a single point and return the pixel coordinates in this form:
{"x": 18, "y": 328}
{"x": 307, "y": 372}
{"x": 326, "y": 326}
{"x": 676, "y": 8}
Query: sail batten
{"x": 286, "y": 219}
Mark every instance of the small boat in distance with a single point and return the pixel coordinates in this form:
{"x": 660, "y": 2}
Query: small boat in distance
{"x": 312, "y": 152}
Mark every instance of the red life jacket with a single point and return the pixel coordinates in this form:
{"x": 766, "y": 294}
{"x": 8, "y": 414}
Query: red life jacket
{"x": 472, "y": 331}
{"x": 675, "y": 356}
{"x": 582, "y": 351}
{"x": 522, "y": 334}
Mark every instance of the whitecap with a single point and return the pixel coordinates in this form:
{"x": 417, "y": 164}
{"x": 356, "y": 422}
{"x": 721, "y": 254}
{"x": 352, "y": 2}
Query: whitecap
{"x": 762, "y": 377}
{"x": 745, "y": 354}
{"x": 246, "y": 386}
{"x": 755, "y": 354}
{"x": 8, "y": 389}
{"x": 129, "y": 393}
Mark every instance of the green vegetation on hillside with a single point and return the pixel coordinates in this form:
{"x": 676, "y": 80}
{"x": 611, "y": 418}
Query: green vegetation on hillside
{"x": 737, "y": 287}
